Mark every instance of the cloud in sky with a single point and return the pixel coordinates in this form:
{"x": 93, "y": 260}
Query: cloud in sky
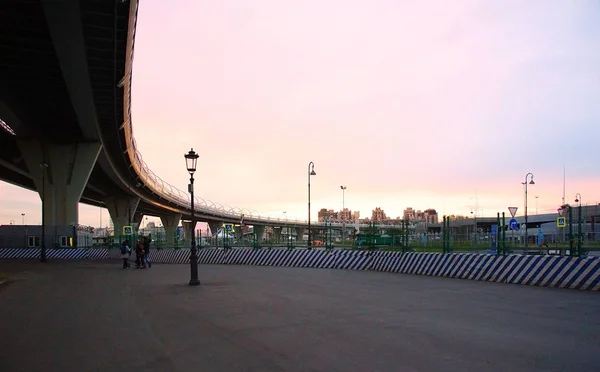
{"x": 412, "y": 103}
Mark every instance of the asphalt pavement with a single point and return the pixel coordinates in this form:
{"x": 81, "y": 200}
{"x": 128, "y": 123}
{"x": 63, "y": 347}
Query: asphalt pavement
{"x": 95, "y": 316}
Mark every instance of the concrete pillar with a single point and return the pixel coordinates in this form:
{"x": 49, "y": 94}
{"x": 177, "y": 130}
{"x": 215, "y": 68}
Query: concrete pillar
{"x": 300, "y": 234}
{"x": 239, "y": 232}
{"x": 214, "y": 230}
{"x": 276, "y": 237}
{"x": 214, "y": 227}
{"x": 137, "y": 221}
{"x": 63, "y": 178}
{"x": 188, "y": 227}
{"x": 259, "y": 231}
{"x": 122, "y": 212}
{"x": 170, "y": 223}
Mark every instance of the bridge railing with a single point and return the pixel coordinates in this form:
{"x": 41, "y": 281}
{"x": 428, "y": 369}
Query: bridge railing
{"x": 157, "y": 185}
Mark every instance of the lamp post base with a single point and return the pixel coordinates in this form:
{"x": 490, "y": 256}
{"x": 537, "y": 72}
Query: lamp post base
{"x": 194, "y": 282}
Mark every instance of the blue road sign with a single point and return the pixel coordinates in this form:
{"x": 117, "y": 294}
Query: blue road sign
{"x": 494, "y": 229}
{"x": 513, "y": 224}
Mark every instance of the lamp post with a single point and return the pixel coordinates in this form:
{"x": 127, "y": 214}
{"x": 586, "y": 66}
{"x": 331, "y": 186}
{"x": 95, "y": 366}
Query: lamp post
{"x": 191, "y": 158}
{"x": 311, "y": 172}
{"x": 536, "y": 205}
{"x": 22, "y": 218}
{"x": 43, "y": 239}
{"x": 476, "y": 231}
{"x": 579, "y": 224}
{"x": 526, "y": 220}
{"x": 343, "y": 213}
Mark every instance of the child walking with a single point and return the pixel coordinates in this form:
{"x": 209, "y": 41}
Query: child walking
{"x": 125, "y": 253}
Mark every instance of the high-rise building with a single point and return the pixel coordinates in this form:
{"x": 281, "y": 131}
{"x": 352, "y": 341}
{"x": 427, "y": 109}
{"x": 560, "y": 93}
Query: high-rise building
{"x": 324, "y": 213}
{"x": 431, "y": 216}
{"x": 345, "y": 215}
{"x": 409, "y": 214}
{"x": 378, "y": 214}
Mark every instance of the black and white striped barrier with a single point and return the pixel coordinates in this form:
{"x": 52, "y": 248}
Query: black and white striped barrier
{"x": 544, "y": 271}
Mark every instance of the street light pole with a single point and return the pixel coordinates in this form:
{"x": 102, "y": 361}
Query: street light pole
{"x": 191, "y": 158}
{"x": 22, "y": 218}
{"x": 311, "y": 172}
{"x": 343, "y": 213}
{"x": 526, "y": 220}
{"x": 579, "y": 225}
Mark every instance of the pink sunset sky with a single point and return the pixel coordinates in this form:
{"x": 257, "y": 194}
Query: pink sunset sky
{"x": 423, "y": 104}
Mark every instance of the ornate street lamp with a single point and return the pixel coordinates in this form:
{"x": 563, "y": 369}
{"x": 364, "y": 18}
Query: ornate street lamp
{"x": 579, "y": 224}
{"x": 311, "y": 172}
{"x": 526, "y": 225}
{"x": 191, "y": 159}
{"x": 343, "y": 213}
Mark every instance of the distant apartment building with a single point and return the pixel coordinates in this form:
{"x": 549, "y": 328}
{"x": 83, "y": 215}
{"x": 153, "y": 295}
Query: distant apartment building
{"x": 378, "y": 215}
{"x": 429, "y": 216}
{"x": 324, "y": 213}
{"x": 345, "y": 215}
{"x": 409, "y": 214}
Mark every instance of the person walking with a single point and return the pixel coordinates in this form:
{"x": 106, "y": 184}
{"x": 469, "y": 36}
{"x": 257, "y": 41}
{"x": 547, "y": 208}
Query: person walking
{"x": 139, "y": 255}
{"x": 146, "y": 244}
{"x": 125, "y": 254}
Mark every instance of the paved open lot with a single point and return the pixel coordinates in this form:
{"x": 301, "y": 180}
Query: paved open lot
{"x": 86, "y": 316}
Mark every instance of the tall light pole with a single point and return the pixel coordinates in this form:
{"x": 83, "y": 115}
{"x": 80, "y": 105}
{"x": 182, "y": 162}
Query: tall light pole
{"x": 526, "y": 220}
{"x": 22, "y": 218}
{"x": 43, "y": 258}
{"x": 343, "y": 213}
{"x": 536, "y": 205}
{"x": 311, "y": 172}
{"x": 191, "y": 159}
{"x": 476, "y": 232}
{"x": 579, "y": 225}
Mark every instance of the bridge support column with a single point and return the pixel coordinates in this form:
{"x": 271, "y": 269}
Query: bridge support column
{"x": 122, "y": 212}
{"x": 170, "y": 223}
{"x": 60, "y": 174}
{"x": 299, "y": 234}
{"x": 137, "y": 221}
{"x": 188, "y": 227}
{"x": 214, "y": 230}
{"x": 259, "y": 231}
{"x": 239, "y": 233}
{"x": 276, "y": 237}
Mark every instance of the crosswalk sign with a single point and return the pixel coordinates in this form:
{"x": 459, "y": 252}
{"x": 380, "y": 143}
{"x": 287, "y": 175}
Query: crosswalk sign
{"x": 561, "y": 221}
{"x": 127, "y": 230}
{"x": 228, "y": 227}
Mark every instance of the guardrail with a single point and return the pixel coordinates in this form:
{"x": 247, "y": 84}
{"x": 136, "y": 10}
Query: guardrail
{"x": 156, "y": 184}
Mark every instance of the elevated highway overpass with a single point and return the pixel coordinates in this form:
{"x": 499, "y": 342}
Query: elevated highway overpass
{"x": 65, "y": 95}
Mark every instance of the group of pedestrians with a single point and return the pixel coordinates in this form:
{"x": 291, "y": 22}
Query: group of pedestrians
{"x": 142, "y": 253}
